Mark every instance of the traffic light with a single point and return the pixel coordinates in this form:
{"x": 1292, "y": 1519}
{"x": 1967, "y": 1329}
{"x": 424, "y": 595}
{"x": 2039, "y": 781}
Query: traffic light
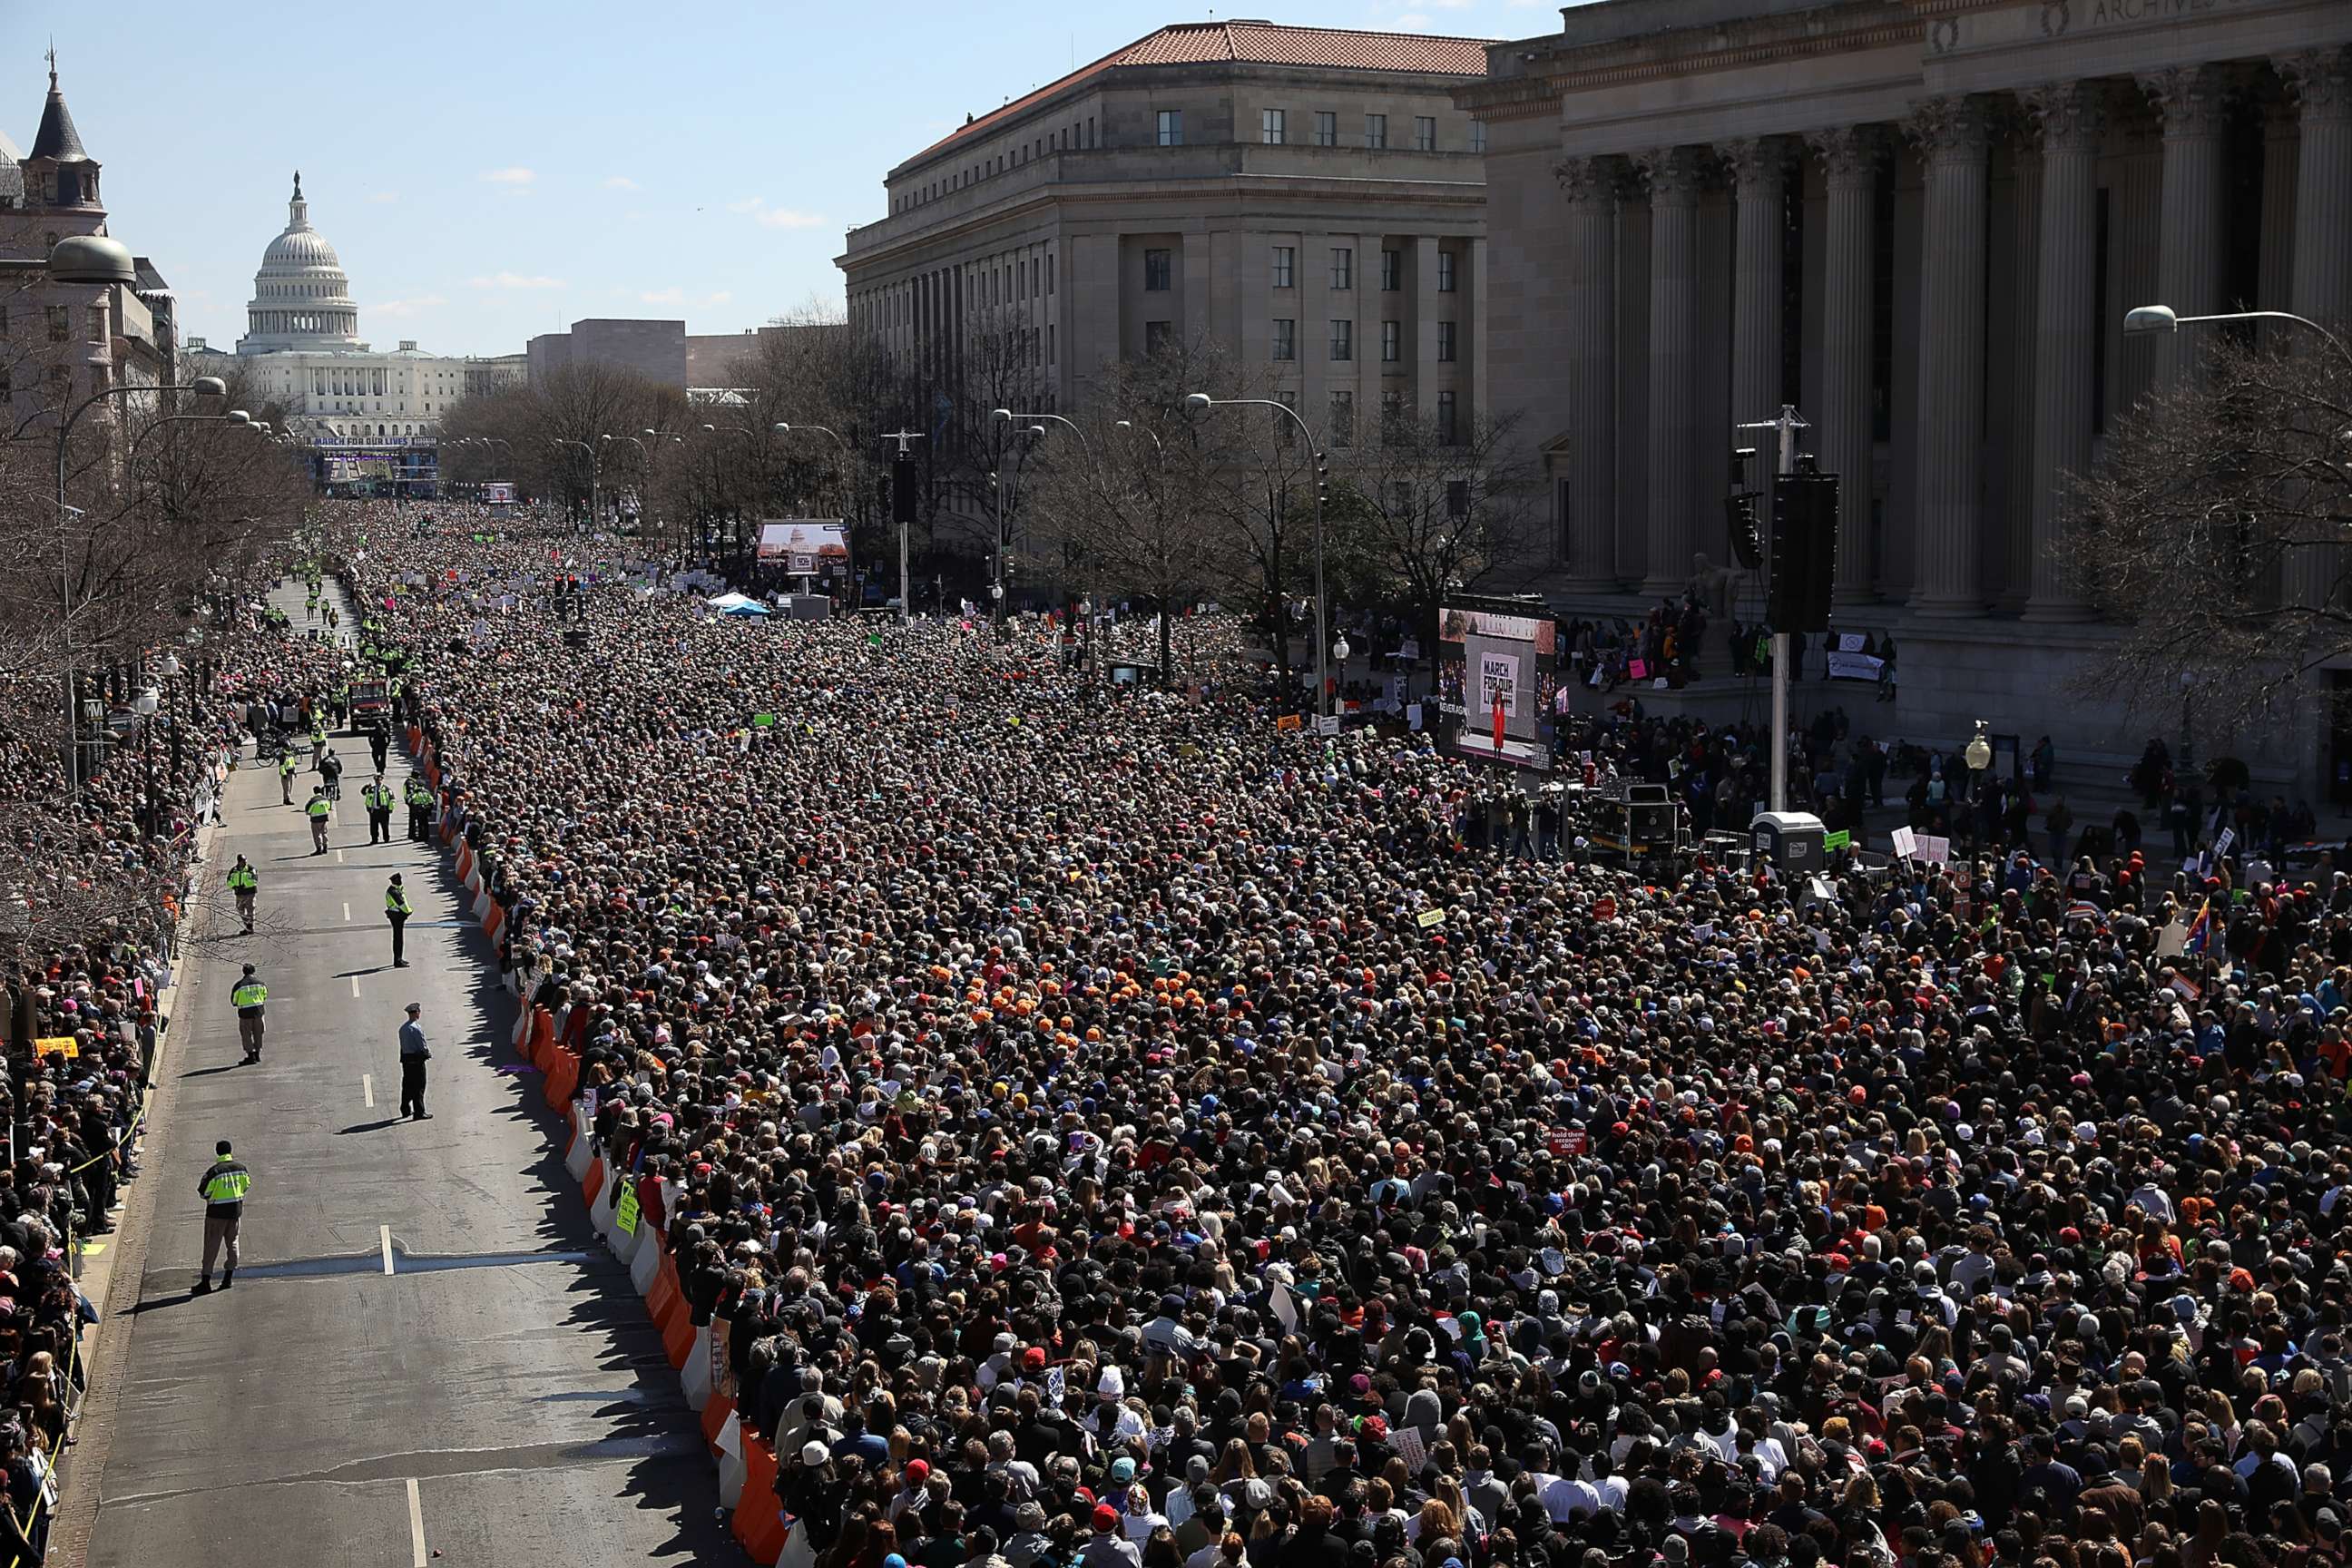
{"x": 905, "y": 492}
{"x": 1747, "y": 539}
{"x": 1804, "y": 548}
{"x": 1739, "y": 511}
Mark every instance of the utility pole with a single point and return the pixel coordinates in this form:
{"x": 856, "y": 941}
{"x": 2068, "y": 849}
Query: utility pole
{"x": 1787, "y": 426}
{"x": 902, "y": 510}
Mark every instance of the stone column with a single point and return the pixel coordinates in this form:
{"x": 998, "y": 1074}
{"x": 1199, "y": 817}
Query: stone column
{"x": 1589, "y": 542}
{"x": 2193, "y": 100}
{"x": 2322, "y": 82}
{"x": 1842, "y": 424}
{"x": 1952, "y": 135}
{"x": 1759, "y": 174}
{"x": 1676, "y": 175}
{"x": 2025, "y": 334}
{"x": 2072, "y": 123}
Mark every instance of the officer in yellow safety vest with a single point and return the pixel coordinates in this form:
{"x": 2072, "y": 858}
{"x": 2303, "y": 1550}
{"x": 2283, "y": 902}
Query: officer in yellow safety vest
{"x": 250, "y": 997}
{"x": 286, "y": 766}
{"x": 319, "y": 808}
{"x": 222, "y": 1187}
{"x": 246, "y": 884}
{"x": 396, "y": 910}
{"x": 318, "y": 745}
{"x": 420, "y": 811}
{"x": 378, "y": 797}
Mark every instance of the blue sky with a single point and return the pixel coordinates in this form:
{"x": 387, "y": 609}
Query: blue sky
{"x": 494, "y": 170}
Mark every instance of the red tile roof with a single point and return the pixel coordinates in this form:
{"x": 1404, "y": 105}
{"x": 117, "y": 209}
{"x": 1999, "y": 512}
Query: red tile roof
{"x": 1257, "y": 43}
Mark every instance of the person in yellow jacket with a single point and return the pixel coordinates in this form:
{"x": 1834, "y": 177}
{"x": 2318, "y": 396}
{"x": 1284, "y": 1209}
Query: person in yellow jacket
{"x": 396, "y": 910}
{"x": 319, "y": 808}
{"x": 251, "y": 1000}
{"x": 247, "y": 886}
{"x": 222, "y": 1187}
{"x": 378, "y": 797}
{"x": 286, "y": 768}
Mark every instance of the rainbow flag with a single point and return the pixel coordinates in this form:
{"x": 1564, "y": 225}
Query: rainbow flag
{"x": 2200, "y": 929}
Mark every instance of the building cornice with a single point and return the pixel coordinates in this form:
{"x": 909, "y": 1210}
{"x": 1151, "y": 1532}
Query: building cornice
{"x": 1549, "y": 73}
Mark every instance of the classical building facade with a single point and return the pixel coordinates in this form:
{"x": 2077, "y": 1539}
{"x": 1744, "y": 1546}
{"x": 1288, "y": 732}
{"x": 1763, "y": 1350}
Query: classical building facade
{"x": 303, "y": 351}
{"x": 1920, "y": 222}
{"x": 59, "y": 343}
{"x": 1310, "y": 198}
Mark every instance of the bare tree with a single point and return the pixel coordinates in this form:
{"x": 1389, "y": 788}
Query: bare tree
{"x": 1431, "y": 509}
{"x": 2216, "y": 531}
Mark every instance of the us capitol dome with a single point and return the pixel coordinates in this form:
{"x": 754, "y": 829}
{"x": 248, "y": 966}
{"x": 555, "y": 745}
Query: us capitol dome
{"x": 301, "y": 299}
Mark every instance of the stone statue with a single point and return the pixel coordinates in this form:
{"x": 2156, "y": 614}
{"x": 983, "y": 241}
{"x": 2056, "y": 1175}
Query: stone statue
{"x": 1714, "y": 587}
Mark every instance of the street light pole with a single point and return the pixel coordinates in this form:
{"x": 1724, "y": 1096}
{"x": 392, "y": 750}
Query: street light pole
{"x": 2146, "y": 319}
{"x": 1787, "y": 425}
{"x": 1199, "y": 402}
{"x": 906, "y": 454}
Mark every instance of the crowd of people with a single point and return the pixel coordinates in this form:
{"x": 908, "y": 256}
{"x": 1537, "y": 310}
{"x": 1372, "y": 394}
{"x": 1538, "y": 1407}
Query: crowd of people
{"x": 1102, "y": 1128}
{"x": 95, "y": 858}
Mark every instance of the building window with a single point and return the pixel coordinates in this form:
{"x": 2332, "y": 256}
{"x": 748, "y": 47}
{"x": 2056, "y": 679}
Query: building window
{"x": 1270, "y": 126}
{"x": 1446, "y": 342}
{"x": 1286, "y": 338}
{"x": 60, "y": 387}
{"x": 1376, "y": 130}
{"x": 1157, "y": 336}
{"x": 98, "y": 333}
{"x": 1327, "y": 127}
{"x": 1287, "y": 429}
{"x": 60, "y": 324}
{"x": 1457, "y": 497}
{"x": 1391, "y": 410}
{"x": 1172, "y": 128}
{"x": 1391, "y": 342}
{"x": 1392, "y": 271}
{"x": 1477, "y": 136}
{"x": 1447, "y": 431}
{"x": 1424, "y": 134}
{"x": 1343, "y": 419}
{"x": 1446, "y": 272}
{"x": 1343, "y": 267}
{"x": 1157, "y": 271}
{"x": 1049, "y": 342}
{"x": 1286, "y": 259}
{"x": 1343, "y": 341}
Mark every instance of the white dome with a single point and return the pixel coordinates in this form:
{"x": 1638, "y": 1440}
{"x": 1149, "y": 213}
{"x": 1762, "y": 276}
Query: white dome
{"x": 302, "y": 301}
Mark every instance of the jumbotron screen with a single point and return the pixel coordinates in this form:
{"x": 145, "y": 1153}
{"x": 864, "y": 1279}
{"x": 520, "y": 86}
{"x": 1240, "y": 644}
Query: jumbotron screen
{"x": 1497, "y": 680}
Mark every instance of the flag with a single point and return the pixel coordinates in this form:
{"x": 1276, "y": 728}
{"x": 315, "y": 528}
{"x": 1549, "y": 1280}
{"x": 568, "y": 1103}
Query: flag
{"x": 2200, "y": 929}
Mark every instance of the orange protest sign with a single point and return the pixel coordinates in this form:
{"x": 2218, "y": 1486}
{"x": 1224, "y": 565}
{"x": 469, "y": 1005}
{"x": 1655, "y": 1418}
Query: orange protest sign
{"x": 57, "y": 1046}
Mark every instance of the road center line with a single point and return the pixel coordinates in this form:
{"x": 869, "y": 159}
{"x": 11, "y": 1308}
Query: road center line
{"x": 338, "y": 856}
{"x": 367, "y": 1088}
{"x": 355, "y": 984}
{"x": 416, "y": 1526}
{"x": 347, "y": 911}
{"x": 385, "y": 1231}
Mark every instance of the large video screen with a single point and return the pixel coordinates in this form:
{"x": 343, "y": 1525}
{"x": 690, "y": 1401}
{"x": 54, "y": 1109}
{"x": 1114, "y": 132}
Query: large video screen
{"x": 802, "y": 544}
{"x": 1497, "y": 680}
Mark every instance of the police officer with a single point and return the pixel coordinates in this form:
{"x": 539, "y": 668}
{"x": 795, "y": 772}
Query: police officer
{"x": 246, "y": 884}
{"x": 319, "y": 808}
{"x": 396, "y": 910}
{"x": 331, "y": 768}
{"x": 420, "y": 811}
{"x": 379, "y": 747}
{"x": 285, "y": 768}
{"x": 377, "y": 796}
{"x": 318, "y": 743}
{"x": 250, "y": 998}
{"x": 415, "y": 1052}
{"x": 222, "y": 1187}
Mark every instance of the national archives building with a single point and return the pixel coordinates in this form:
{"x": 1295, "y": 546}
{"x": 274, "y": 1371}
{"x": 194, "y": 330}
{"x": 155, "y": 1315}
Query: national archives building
{"x": 1921, "y": 223}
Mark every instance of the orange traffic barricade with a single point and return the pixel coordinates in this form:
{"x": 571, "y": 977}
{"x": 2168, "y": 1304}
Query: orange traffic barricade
{"x": 561, "y": 1079}
{"x": 758, "y": 1522}
{"x": 593, "y": 1185}
{"x": 678, "y": 1334}
{"x": 714, "y": 1416}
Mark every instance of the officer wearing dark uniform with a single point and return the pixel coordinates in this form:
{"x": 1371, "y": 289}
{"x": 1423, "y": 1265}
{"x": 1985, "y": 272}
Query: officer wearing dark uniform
{"x": 250, "y": 999}
{"x": 377, "y": 796}
{"x": 396, "y": 910}
{"x": 222, "y": 1187}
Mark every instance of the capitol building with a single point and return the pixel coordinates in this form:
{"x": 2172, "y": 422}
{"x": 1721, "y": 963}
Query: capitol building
{"x": 302, "y": 351}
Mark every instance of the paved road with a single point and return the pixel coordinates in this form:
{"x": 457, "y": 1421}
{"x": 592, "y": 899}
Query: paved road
{"x": 503, "y": 1385}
